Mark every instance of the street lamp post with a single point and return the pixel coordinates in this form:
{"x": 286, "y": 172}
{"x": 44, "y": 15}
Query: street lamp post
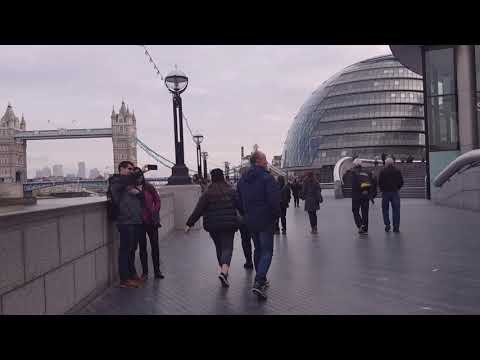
{"x": 176, "y": 82}
{"x": 205, "y": 171}
{"x": 198, "y": 140}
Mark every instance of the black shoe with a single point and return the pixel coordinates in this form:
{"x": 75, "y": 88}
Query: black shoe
{"x": 159, "y": 275}
{"x": 387, "y": 228}
{"x": 248, "y": 265}
{"x": 396, "y": 230}
{"x": 284, "y": 231}
{"x": 363, "y": 230}
{"x": 223, "y": 278}
{"x": 259, "y": 290}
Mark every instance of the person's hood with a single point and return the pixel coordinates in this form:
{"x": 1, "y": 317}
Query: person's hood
{"x": 253, "y": 173}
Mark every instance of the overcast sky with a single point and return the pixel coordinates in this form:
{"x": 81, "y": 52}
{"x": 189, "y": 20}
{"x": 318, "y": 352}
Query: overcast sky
{"x": 237, "y": 95}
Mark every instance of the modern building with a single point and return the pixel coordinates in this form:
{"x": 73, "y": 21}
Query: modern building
{"x": 451, "y": 76}
{"x": 58, "y": 170}
{"x": 82, "y": 171}
{"x": 372, "y": 107}
{"x": 13, "y": 153}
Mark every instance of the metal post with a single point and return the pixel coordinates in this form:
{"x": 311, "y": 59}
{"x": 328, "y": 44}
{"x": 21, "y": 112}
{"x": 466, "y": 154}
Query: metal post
{"x": 179, "y": 171}
{"x": 175, "y": 128}
{"x": 180, "y": 121}
{"x": 199, "y": 160}
{"x": 426, "y": 122}
{"x": 205, "y": 171}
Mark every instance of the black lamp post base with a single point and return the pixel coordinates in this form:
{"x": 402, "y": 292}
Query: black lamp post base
{"x": 179, "y": 176}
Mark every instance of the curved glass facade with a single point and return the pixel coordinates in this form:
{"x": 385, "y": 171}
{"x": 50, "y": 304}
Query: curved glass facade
{"x": 370, "y": 107}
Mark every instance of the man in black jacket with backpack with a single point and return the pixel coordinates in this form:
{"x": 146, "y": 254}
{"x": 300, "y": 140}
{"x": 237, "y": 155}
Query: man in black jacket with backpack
{"x": 364, "y": 190}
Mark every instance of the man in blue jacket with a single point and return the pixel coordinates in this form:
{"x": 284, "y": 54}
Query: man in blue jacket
{"x": 259, "y": 203}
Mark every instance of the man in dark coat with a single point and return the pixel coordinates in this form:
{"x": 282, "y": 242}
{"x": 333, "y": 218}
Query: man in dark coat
{"x": 390, "y": 182}
{"x": 312, "y": 194}
{"x": 364, "y": 190}
{"x": 245, "y": 234}
{"x": 296, "y": 187}
{"x": 259, "y": 197}
{"x": 285, "y": 197}
{"x": 127, "y": 202}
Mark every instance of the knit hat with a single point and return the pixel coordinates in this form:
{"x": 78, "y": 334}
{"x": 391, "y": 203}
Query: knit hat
{"x": 217, "y": 175}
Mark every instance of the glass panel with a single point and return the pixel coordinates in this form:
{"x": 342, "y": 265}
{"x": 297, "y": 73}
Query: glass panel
{"x": 440, "y": 71}
{"x": 443, "y": 131}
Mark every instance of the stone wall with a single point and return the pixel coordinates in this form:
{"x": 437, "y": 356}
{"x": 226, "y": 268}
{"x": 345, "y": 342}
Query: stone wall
{"x": 53, "y": 259}
{"x": 462, "y": 191}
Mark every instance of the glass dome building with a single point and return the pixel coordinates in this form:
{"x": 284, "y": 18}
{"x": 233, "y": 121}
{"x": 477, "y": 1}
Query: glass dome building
{"x": 368, "y": 108}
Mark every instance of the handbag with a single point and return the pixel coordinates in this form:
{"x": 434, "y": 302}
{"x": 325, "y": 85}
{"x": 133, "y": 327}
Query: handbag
{"x": 319, "y": 196}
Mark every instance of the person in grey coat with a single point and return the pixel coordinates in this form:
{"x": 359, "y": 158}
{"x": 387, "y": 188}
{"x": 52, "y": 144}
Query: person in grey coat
{"x": 128, "y": 199}
{"x": 312, "y": 194}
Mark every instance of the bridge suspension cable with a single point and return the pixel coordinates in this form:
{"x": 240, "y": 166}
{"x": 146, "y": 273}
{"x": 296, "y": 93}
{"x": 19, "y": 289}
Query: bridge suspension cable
{"x": 157, "y": 157}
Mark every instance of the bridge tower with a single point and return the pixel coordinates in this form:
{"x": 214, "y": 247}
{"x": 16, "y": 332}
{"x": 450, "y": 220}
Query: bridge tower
{"x": 124, "y": 135}
{"x": 13, "y": 152}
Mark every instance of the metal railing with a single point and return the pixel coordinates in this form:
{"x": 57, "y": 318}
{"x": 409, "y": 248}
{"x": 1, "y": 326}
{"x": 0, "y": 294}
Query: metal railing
{"x": 461, "y": 164}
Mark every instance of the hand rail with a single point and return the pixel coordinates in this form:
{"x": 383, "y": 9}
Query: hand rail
{"x": 460, "y": 164}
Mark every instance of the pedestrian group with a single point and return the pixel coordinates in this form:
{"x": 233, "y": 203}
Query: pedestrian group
{"x": 257, "y": 206}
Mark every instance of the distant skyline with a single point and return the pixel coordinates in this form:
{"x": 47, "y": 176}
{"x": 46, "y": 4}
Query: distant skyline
{"x": 237, "y": 96}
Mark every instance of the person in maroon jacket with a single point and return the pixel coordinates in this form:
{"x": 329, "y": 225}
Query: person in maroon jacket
{"x": 151, "y": 222}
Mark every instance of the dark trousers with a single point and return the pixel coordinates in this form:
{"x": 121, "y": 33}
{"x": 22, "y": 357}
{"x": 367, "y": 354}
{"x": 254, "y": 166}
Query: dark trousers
{"x": 246, "y": 243}
{"x": 363, "y": 205}
{"x": 223, "y": 241}
{"x": 152, "y": 232}
{"x": 296, "y": 200}
{"x": 262, "y": 255}
{"x": 312, "y": 215}
{"x": 283, "y": 219}
{"x": 129, "y": 235}
{"x": 394, "y": 199}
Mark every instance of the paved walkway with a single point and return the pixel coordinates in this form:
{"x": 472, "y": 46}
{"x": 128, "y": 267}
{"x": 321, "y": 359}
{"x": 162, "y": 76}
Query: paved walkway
{"x": 431, "y": 267}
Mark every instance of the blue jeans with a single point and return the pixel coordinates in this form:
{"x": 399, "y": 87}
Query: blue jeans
{"x": 262, "y": 255}
{"x": 129, "y": 236}
{"x": 394, "y": 198}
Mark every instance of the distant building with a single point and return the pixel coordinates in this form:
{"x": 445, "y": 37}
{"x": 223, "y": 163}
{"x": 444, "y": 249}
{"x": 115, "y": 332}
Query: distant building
{"x": 58, "y": 170}
{"x": 38, "y": 174}
{"x": 94, "y": 173}
{"x": 12, "y": 152}
{"x": 46, "y": 172}
{"x": 70, "y": 176}
{"x": 277, "y": 161}
{"x": 82, "y": 171}
{"x": 124, "y": 133}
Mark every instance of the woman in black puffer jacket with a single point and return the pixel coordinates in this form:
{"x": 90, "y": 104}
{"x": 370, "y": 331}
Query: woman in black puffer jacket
{"x": 218, "y": 206}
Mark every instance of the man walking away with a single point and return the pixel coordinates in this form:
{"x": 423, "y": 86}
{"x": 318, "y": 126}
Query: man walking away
{"x": 127, "y": 200}
{"x": 259, "y": 203}
{"x": 363, "y": 191}
{"x": 245, "y": 233}
{"x": 285, "y": 197}
{"x": 296, "y": 193}
{"x": 390, "y": 182}
{"x": 312, "y": 194}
